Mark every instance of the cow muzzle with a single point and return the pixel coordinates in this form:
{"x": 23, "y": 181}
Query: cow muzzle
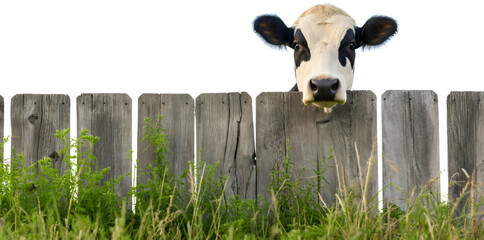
{"x": 324, "y": 89}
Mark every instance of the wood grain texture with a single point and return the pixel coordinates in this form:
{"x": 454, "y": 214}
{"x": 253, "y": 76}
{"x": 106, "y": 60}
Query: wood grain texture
{"x": 311, "y": 132}
{"x": 225, "y": 133}
{"x": 465, "y": 132}
{"x": 410, "y": 143}
{"x": 178, "y": 115}
{"x": 35, "y": 119}
{"x": 108, "y": 116}
{"x": 270, "y": 138}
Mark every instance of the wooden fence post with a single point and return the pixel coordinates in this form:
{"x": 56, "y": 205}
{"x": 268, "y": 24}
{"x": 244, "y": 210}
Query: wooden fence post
{"x": 177, "y": 111}
{"x": 350, "y": 129}
{"x": 465, "y": 132}
{"x": 108, "y": 116}
{"x": 410, "y": 144}
{"x": 225, "y": 133}
{"x": 35, "y": 119}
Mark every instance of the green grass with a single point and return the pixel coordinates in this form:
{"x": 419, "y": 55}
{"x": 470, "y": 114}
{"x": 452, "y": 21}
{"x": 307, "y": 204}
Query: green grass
{"x": 47, "y": 204}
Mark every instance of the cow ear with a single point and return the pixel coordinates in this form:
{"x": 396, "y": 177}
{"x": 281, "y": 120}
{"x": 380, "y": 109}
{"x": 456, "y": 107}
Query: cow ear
{"x": 377, "y": 30}
{"x": 273, "y": 30}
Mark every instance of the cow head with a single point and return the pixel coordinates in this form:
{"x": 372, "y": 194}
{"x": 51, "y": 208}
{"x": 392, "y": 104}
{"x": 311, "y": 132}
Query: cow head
{"x": 324, "y": 39}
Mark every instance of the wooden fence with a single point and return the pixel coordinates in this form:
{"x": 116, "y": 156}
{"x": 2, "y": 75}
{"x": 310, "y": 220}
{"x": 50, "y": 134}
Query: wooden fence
{"x": 225, "y": 132}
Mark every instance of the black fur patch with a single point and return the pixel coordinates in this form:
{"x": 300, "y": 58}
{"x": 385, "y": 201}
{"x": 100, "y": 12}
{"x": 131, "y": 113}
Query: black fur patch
{"x": 347, "y": 48}
{"x": 302, "y": 53}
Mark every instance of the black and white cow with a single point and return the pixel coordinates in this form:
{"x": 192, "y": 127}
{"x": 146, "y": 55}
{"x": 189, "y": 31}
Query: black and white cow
{"x": 324, "y": 39}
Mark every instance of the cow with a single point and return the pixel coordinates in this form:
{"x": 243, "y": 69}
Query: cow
{"x": 324, "y": 39}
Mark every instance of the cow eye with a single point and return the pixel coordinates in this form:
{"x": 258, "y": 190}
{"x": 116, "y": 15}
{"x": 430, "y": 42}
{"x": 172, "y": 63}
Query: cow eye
{"x": 352, "y": 46}
{"x": 295, "y": 46}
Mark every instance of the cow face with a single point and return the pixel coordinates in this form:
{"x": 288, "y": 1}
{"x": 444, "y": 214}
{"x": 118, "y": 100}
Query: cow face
{"x": 324, "y": 39}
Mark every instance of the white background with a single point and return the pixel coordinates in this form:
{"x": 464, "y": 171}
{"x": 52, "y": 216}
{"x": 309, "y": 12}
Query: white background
{"x": 135, "y": 47}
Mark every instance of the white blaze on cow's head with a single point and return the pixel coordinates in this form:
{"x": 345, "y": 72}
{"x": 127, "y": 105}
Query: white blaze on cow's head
{"x": 324, "y": 39}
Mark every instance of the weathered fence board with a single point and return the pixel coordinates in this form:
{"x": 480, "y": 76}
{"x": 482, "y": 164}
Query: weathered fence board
{"x": 108, "y": 116}
{"x": 35, "y": 119}
{"x": 178, "y": 115}
{"x": 311, "y": 132}
{"x": 465, "y": 121}
{"x": 410, "y": 143}
{"x": 225, "y": 133}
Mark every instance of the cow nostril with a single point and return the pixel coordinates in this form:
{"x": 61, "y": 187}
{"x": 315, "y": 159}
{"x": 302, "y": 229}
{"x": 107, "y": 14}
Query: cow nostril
{"x": 335, "y": 86}
{"x": 313, "y": 86}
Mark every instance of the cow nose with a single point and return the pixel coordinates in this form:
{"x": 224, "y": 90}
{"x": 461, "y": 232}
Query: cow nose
{"x": 324, "y": 89}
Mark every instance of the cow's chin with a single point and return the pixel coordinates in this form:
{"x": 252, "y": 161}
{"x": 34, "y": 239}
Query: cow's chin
{"x": 327, "y": 104}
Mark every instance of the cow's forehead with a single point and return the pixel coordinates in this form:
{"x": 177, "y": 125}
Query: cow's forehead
{"x": 324, "y": 21}
{"x": 331, "y": 30}
{"x": 322, "y": 12}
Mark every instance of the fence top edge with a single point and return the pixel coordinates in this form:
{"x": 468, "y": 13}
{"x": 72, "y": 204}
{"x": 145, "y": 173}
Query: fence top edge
{"x": 221, "y": 94}
{"x": 468, "y": 94}
{"x": 165, "y": 94}
{"x": 125, "y": 96}
{"x": 465, "y": 92}
{"x": 408, "y": 91}
{"x": 37, "y": 94}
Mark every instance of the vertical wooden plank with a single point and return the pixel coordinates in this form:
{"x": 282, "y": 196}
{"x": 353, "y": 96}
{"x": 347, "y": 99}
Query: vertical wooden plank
{"x": 302, "y": 133}
{"x": 311, "y": 133}
{"x": 108, "y": 116}
{"x": 271, "y": 138}
{"x": 465, "y": 132}
{"x": 177, "y": 111}
{"x": 351, "y": 129}
{"x": 225, "y": 133}
{"x": 245, "y": 163}
{"x": 410, "y": 143}
{"x": 35, "y": 119}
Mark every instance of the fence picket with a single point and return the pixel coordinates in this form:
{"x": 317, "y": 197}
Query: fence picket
{"x": 465, "y": 121}
{"x": 177, "y": 111}
{"x": 108, "y": 116}
{"x": 35, "y": 119}
{"x": 225, "y": 133}
{"x": 311, "y": 132}
{"x": 410, "y": 143}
